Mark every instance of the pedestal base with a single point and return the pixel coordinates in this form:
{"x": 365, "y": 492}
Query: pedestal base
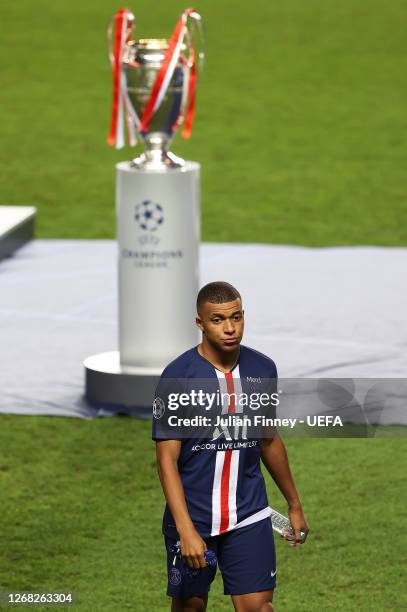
{"x": 117, "y": 388}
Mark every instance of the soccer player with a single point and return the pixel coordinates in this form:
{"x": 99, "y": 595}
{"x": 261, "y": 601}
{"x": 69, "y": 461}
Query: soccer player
{"x": 216, "y": 499}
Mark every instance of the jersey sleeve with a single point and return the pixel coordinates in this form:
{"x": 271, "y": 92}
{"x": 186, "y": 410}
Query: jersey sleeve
{"x": 269, "y": 431}
{"x": 165, "y": 392}
{"x": 273, "y": 388}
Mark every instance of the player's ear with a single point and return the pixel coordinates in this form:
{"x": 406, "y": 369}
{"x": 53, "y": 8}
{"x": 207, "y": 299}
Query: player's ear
{"x": 198, "y": 321}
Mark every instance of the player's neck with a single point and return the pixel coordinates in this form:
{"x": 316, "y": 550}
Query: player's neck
{"x": 223, "y": 361}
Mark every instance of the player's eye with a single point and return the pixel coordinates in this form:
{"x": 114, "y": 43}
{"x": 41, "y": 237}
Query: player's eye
{"x": 237, "y": 317}
{"x": 216, "y": 320}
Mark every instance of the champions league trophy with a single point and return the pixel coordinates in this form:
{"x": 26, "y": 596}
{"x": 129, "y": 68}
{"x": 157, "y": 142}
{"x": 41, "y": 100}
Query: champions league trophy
{"x": 157, "y": 208}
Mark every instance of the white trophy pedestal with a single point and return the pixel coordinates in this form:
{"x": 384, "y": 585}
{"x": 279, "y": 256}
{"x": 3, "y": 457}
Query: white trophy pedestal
{"x": 119, "y": 388}
{"x": 158, "y": 229}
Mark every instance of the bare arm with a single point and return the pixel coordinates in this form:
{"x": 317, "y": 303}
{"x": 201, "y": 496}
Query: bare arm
{"x": 192, "y": 545}
{"x": 275, "y": 459}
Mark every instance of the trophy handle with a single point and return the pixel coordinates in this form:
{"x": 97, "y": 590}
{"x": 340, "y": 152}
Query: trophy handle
{"x": 118, "y": 37}
{"x": 110, "y": 40}
{"x": 197, "y": 22}
{"x": 110, "y": 34}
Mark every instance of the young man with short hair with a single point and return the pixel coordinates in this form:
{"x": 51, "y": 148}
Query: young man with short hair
{"x": 216, "y": 499}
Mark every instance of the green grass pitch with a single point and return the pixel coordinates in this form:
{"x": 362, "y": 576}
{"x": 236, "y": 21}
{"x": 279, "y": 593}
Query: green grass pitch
{"x": 301, "y": 131}
{"x": 81, "y": 510}
{"x": 301, "y": 127}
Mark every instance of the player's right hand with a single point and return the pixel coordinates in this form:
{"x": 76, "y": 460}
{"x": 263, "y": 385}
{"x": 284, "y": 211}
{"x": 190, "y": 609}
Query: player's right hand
{"x": 193, "y": 548}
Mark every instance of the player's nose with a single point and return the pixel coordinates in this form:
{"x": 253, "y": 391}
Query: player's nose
{"x": 229, "y": 327}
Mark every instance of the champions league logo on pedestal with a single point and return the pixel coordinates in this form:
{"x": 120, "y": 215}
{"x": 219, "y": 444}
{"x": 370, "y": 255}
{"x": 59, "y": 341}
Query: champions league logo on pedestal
{"x": 149, "y": 216}
{"x": 157, "y": 210}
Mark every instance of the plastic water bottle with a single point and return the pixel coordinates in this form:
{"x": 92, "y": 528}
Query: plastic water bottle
{"x": 282, "y": 525}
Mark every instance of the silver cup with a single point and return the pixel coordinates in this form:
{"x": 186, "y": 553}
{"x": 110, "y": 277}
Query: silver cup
{"x": 141, "y": 62}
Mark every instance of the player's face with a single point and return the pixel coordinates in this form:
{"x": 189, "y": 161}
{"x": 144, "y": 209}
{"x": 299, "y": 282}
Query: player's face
{"x": 222, "y": 324}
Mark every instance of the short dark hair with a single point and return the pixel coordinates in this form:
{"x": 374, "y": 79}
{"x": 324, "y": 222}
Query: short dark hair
{"x": 218, "y": 292}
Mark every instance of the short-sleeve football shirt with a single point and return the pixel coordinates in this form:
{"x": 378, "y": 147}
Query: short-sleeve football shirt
{"x": 222, "y": 480}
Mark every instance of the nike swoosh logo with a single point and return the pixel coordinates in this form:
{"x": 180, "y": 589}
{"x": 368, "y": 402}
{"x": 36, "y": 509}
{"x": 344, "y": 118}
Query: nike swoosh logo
{"x": 272, "y": 574}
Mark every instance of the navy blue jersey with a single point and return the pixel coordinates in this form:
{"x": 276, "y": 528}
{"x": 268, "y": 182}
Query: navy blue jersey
{"x": 222, "y": 480}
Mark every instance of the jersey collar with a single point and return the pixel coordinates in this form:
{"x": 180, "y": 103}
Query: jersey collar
{"x": 214, "y": 367}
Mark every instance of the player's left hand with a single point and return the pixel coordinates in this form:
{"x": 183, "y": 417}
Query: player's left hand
{"x": 298, "y": 523}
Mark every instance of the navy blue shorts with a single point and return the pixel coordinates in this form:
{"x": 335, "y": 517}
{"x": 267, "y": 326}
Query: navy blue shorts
{"x": 246, "y": 559}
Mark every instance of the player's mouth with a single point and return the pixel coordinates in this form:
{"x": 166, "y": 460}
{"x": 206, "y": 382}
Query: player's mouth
{"x": 231, "y": 341}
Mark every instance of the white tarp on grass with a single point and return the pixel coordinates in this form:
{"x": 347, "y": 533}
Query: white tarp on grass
{"x": 332, "y": 312}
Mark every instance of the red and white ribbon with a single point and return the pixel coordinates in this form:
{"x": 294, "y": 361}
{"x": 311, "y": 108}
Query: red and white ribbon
{"x": 191, "y": 98}
{"x": 121, "y": 108}
{"x": 165, "y": 74}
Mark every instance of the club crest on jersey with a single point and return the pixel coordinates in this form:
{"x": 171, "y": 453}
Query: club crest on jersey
{"x": 158, "y": 408}
{"x": 175, "y": 576}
